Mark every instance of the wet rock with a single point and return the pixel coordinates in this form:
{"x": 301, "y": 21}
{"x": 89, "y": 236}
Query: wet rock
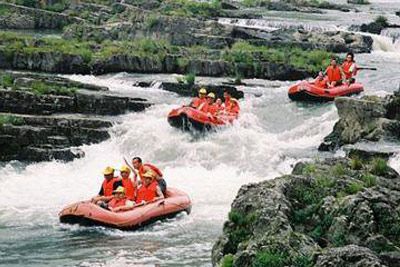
{"x": 351, "y": 256}
{"x": 369, "y": 118}
{"x": 40, "y": 138}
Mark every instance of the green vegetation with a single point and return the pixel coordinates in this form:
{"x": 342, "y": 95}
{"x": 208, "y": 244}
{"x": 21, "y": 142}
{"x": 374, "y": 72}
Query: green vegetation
{"x": 27, "y": 3}
{"x": 4, "y": 10}
{"x": 271, "y": 258}
{"x": 241, "y": 55}
{"x": 227, "y": 261}
{"x": 242, "y": 229}
{"x": 369, "y": 180}
{"x": 356, "y": 163}
{"x": 190, "y": 8}
{"x": 361, "y": 2}
{"x": 379, "y": 167}
{"x": 41, "y": 88}
{"x": 10, "y": 119}
{"x": 354, "y": 187}
{"x": 6, "y": 80}
{"x": 244, "y": 53}
{"x": 382, "y": 21}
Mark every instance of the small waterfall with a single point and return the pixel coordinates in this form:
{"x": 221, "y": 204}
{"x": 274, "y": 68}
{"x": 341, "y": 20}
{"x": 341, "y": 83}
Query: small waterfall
{"x": 385, "y": 43}
{"x": 156, "y": 85}
{"x": 268, "y": 25}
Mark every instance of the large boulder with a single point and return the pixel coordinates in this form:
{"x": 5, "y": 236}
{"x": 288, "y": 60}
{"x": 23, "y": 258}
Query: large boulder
{"x": 336, "y": 212}
{"x": 369, "y": 118}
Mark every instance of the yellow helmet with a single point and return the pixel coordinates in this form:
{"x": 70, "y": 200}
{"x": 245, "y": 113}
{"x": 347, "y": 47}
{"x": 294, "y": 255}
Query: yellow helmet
{"x": 125, "y": 169}
{"x": 108, "y": 170}
{"x": 119, "y": 189}
{"x": 203, "y": 91}
{"x": 211, "y": 95}
{"x": 149, "y": 174}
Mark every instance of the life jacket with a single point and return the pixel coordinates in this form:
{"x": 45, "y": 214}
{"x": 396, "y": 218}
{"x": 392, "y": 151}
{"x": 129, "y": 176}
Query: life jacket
{"x": 213, "y": 109}
{"x": 349, "y": 69}
{"x": 152, "y": 167}
{"x": 227, "y": 102}
{"x": 232, "y": 108}
{"x": 197, "y": 101}
{"x": 203, "y": 107}
{"x": 115, "y": 203}
{"x": 147, "y": 193}
{"x": 333, "y": 74}
{"x": 108, "y": 186}
{"x": 129, "y": 188}
{"x": 320, "y": 83}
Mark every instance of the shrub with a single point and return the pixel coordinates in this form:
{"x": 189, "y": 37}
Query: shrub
{"x": 382, "y": 21}
{"x": 379, "y": 167}
{"x": 28, "y": 3}
{"x": 10, "y": 119}
{"x": 151, "y": 21}
{"x": 190, "y": 78}
{"x": 271, "y": 258}
{"x": 6, "y": 80}
{"x": 227, "y": 261}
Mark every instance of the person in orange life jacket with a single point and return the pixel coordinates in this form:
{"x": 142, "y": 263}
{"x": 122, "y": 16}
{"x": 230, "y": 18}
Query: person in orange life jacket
{"x": 127, "y": 183}
{"x": 211, "y": 107}
{"x": 119, "y": 201}
{"x": 335, "y": 74}
{"x": 233, "y": 106}
{"x": 110, "y": 183}
{"x": 145, "y": 167}
{"x": 321, "y": 80}
{"x": 349, "y": 67}
{"x": 197, "y": 101}
{"x": 227, "y": 98}
{"x": 150, "y": 190}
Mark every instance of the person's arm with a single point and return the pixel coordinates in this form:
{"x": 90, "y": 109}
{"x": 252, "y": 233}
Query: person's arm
{"x": 132, "y": 169}
{"x": 342, "y": 74}
{"x": 128, "y": 206}
{"x": 159, "y": 193}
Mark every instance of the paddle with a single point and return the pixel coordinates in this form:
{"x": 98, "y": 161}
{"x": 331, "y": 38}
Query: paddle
{"x": 366, "y": 68}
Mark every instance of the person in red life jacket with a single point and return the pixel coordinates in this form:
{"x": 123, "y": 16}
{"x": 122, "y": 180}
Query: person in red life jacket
{"x": 119, "y": 201}
{"x": 149, "y": 190}
{"x": 212, "y": 107}
{"x": 127, "y": 183}
{"x": 349, "y": 67}
{"x": 335, "y": 74}
{"x": 321, "y": 80}
{"x": 145, "y": 167}
{"x": 219, "y": 105}
{"x": 233, "y": 106}
{"x": 110, "y": 183}
{"x": 197, "y": 101}
{"x": 227, "y": 98}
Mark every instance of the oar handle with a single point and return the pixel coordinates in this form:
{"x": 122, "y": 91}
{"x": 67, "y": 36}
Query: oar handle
{"x": 366, "y": 68}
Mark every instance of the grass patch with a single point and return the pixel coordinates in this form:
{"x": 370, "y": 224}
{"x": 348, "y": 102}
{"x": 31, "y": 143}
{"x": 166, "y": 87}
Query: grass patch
{"x": 41, "y": 88}
{"x": 227, "y": 261}
{"x": 356, "y": 163}
{"x": 241, "y": 230}
{"x": 369, "y": 180}
{"x": 10, "y": 119}
{"x": 6, "y": 80}
{"x": 270, "y": 258}
{"x": 382, "y": 21}
{"x": 189, "y": 8}
{"x": 353, "y": 187}
{"x": 379, "y": 167}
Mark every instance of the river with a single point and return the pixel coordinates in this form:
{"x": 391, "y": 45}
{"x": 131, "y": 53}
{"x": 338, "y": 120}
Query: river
{"x": 271, "y": 135}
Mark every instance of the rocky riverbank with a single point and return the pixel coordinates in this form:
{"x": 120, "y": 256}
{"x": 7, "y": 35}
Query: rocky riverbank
{"x": 335, "y": 212}
{"x": 43, "y": 116}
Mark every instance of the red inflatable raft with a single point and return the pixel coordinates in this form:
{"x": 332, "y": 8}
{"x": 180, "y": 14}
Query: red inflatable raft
{"x": 88, "y": 214}
{"x": 188, "y": 118}
{"x": 306, "y": 91}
